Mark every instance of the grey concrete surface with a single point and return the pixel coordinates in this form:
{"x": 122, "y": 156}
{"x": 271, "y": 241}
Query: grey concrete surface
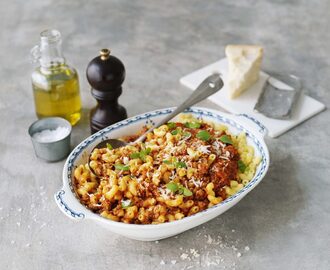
{"x": 282, "y": 224}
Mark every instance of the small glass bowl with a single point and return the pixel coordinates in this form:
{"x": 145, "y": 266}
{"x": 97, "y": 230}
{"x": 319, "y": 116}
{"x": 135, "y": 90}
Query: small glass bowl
{"x": 54, "y": 150}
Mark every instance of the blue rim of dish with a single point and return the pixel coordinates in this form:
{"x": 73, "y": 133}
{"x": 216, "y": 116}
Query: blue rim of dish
{"x": 146, "y": 116}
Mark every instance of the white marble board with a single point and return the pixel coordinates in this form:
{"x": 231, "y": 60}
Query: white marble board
{"x": 305, "y": 108}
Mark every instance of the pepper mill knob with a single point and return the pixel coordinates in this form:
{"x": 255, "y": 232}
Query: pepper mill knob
{"x": 106, "y": 73}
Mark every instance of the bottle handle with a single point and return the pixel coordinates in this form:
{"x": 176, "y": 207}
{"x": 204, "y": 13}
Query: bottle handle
{"x": 35, "y": 54}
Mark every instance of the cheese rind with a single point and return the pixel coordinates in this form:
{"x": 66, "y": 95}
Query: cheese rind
{"x": 244, "y": 63}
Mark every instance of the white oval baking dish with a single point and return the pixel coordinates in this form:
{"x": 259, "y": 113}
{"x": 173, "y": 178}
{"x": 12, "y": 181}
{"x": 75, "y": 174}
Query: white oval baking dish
{"x": 70, "y": 205}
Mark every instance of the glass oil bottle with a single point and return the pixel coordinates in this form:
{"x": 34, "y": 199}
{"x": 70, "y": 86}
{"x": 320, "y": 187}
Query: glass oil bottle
{"x": 55, "y": 84}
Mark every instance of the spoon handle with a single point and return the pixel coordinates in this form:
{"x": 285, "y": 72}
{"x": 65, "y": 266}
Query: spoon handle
{"x": 208, "y": 87}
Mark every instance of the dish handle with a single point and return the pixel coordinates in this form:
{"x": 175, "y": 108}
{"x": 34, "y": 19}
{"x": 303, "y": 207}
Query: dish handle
{"x": 262, "y": 129}
{"x": 63, "y": 200}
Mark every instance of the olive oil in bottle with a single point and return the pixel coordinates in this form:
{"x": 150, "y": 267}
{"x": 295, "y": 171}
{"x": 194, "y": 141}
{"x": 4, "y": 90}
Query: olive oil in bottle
{"x": 55, "y": 84}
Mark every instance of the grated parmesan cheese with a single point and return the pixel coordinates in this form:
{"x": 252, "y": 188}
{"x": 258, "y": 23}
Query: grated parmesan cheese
{"x": 194, "y": 252}
{"x": 139, "y": 179}
{"x": 209, "y": 239}
{"x": 184, "y": 256}
{"x": 204, "y": 149}
{"x": 165, "y": 193}
{"x": 184, "y": 139}
{"x": 125, "y": 160}
{"x": 126, "y": 203}
{"x": 217, "y": 147}
{"x": 173, "y": 175}
{"x": 155, "y": 176}
{"x": 197, "y": 183}
{"x": 224, "y": 157}
{"x": 170, "y": 149}
{"x": 211, "y": 255}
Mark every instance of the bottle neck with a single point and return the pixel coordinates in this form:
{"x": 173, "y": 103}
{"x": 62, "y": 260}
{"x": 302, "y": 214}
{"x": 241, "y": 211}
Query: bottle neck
{"x": 49, "y": 52}
{"x": 51, "y": 55}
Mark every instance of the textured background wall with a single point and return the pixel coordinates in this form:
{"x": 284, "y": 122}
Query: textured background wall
{"x": 282, "y": 224}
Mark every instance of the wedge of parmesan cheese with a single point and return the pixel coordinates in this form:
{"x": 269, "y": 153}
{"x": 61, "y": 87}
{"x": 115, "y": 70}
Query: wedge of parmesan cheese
{"x": 244, "y": 63}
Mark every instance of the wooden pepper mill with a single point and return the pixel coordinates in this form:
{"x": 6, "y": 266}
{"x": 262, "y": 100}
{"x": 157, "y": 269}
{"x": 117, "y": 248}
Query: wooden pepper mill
{"x": 106, "y": 73}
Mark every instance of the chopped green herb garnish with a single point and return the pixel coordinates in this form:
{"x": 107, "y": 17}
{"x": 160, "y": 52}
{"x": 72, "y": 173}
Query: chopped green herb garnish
{"x": 203, "y": 135}
{"x": 186, "y": 192}
{"x": 142, "y": 154}
{"x": 109, "y": 146}
{"x": 180, "y": 164}
{"x": 135, "y": 155}
{"x": 226, "y": 139}
{"x": 175, "y": 132}
{"x": 146, "y": 151}
{"x": 172, "y": 186}
{"x": 167, "y": 162}
{"x": 171, "y": 125}
{"x": 122, "y": 167}
{"x": 241, "y": 166}
{"x": 126, "y": 204}
{"x": 176, "y": 187}
{"x": 192, "y": 125}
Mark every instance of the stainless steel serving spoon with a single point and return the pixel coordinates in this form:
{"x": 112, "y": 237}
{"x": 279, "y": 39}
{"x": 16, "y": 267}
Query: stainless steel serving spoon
{"x": 208, "y": 87}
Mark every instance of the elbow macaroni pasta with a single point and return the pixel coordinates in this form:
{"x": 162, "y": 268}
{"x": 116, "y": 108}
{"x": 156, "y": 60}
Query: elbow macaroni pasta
{"x": 180, "y": 169}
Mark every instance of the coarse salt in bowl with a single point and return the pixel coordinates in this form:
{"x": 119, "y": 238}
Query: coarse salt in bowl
{"x": 51, "y": 138}
{"x": 51, "y": 135}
